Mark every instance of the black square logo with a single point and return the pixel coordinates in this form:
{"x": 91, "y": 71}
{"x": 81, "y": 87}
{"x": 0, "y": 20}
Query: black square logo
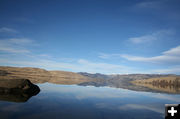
{"x": 172, "y": 111}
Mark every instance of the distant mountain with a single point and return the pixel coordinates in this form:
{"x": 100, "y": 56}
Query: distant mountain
{"x": 126, "y": 77}
{"x": 125, "y": 81}
{"x": 37, "y": 75}
{"x": 96, "y": 75}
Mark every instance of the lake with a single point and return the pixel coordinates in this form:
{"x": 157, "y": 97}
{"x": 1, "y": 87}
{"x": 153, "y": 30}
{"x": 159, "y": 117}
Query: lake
{"x": 88, "y": 102}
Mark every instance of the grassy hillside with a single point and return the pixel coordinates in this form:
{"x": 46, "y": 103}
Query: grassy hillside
{"x": 169, "y": 80}
{"x": 64, "y": 77}
{"x": 37, "y": 75}
{"x": 170, "y": 84}
{"x": 139, "y": 82}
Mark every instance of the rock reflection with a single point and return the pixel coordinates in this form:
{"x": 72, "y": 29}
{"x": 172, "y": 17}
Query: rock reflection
{"x": 15, "y": 97}
{"x": 17, "y": 90}
{"x": 80, "y": 102}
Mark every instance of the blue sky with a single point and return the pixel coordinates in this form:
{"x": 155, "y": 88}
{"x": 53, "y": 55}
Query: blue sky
{"x": 96, "y": 36}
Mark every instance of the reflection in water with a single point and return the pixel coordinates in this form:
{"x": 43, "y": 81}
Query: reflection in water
{"x": 162, "y": 88}
{"x": 17, "y": 95}
{"x": 137, "y": 86}
{"x": 169, "y": 84}
{"x": 78, "y": 102}
{"x": 17, "y": 90}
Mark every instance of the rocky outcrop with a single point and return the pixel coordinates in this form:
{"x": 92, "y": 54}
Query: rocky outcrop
{"x": 17, "y": 90}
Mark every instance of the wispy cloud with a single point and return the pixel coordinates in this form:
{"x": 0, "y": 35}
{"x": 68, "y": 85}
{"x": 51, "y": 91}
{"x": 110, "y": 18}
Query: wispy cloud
{"x": 80, "y": 65}
{"x": 173, "y": 51}
{"x": 15, "y": 45}
{"x": 19, "y": 47}
{"x": 170, "y": 70}
{"x": 8, "y": 30}
{"x": 143, "y": 39}
{"x": 164, "y": 8}
{"x": 103, "y": 67}
{"x": 20, "y": 41}
{"x": 108, "y": 56}
{"x": 13, "y": 50}
{"x": 154, "y": 4}
{"x": 150, "y": 4}
{"x": 170, "y": 56}
{"x": 152, "y": 37}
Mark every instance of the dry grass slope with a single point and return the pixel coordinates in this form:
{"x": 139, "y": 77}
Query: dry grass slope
{"x": 63, "y": 77}
{"x": 170, "y": 84}
{"x": 37, "y": 75}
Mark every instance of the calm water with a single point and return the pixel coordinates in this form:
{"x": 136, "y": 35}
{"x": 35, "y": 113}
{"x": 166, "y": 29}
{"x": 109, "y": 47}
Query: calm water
{"x": 79, "y": 102}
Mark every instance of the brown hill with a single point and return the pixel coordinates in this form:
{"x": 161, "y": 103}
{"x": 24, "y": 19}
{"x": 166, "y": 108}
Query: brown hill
{"x": 37, "y": 75}
{"x": 64, "y": 77}
{"x": 17, "y": 90}
{"x": 169, "y": 84}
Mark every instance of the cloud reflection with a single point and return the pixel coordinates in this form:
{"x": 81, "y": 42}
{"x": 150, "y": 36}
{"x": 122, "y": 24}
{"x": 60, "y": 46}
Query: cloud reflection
{"x": 153, "y": 108}
{"x": 81, "y": 92}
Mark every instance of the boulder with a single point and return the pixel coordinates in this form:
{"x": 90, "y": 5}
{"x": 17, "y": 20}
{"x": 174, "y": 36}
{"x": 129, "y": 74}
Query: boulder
{"x": 17, "y": 90}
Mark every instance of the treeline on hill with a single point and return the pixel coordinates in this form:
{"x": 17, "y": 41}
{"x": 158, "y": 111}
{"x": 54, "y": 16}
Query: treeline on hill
{"x": 165, "y": 83}
{"x": 161, "y": 82}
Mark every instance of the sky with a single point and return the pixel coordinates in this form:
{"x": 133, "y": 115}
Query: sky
{"x": 95, "y": 36}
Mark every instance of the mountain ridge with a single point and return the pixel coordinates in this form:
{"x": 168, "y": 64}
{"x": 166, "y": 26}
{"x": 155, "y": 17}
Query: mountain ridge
{"x": 37, "y": 75}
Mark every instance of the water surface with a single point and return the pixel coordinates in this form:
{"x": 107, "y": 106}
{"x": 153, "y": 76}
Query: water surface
{"x": 88, "y": 102}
